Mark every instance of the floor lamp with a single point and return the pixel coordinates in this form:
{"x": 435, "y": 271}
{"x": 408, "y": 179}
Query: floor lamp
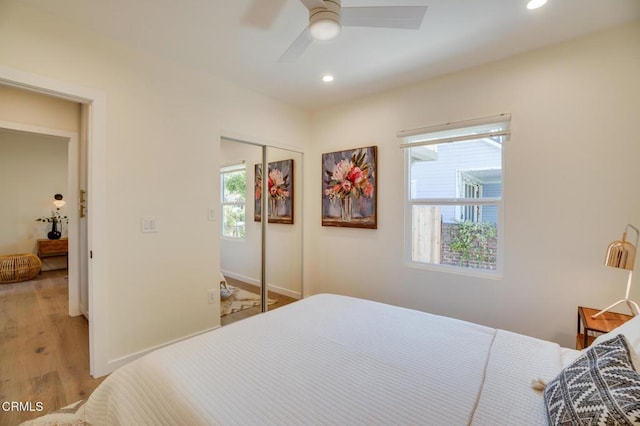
{"x": 622, "y": 254}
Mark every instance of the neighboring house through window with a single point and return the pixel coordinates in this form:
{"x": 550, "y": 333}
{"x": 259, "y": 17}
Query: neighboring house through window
{"x": 233, "y": 180}
{"x": 454, "y": 199}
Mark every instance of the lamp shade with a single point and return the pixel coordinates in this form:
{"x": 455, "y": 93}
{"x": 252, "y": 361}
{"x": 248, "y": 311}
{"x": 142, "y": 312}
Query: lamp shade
{"x": 58, "y": 201}
{"x": 621, "y": 254}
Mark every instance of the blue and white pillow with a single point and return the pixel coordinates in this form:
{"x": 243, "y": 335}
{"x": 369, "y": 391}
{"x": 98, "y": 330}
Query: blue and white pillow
{"x": 601, "y": 387}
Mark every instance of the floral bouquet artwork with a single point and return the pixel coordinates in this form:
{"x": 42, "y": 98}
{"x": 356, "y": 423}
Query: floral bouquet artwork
{"x": 349, "y": 191}
{"x": 280, "y": 192}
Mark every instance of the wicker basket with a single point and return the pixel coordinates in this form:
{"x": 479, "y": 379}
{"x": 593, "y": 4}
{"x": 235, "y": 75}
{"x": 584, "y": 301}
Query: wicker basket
{"x": 19, "y": 267}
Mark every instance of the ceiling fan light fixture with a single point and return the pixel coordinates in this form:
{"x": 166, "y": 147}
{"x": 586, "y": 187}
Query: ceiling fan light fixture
{"x": 325, "y": 29}
{"x": 534, "y": 4}
{"x": 325, "y": 22}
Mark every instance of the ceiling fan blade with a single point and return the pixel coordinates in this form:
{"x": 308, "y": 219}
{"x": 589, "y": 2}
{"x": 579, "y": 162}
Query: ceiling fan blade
{"x": 262, "y": 14}
{"x": 406, "y": 17}
{"x": 314, "y": 4}
{"x": 298, "y": 47}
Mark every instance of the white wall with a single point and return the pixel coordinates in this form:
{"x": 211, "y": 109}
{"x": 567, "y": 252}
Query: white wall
{"x": 33, "y": 168}
{"x": 164, "y": 124}
{"x": 570, "y": 186}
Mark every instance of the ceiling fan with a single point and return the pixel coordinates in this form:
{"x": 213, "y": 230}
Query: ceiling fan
{"x": 327, "y": 17}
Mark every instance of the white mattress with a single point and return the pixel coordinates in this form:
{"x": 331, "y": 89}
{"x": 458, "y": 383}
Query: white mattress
{"x": 332, "y": 359}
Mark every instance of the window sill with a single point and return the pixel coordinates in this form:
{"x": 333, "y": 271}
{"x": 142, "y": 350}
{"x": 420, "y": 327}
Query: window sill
{"x": 470, "y": 272}
{"x": 234, "y": 239}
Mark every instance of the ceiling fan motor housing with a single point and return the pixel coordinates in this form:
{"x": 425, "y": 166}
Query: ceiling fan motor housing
{"x": 325, "y": 23}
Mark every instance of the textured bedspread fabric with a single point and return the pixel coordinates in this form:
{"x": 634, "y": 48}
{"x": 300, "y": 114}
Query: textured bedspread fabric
{"x": 507, "y": 396}
{"x": 330, "y": 360}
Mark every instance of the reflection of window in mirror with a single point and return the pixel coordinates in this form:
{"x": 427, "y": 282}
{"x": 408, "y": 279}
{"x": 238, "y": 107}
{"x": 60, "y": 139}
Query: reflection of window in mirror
{"x": 233, "y": 179}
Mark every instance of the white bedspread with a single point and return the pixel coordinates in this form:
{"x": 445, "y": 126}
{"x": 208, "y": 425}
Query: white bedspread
{"x": 332, "y": 359}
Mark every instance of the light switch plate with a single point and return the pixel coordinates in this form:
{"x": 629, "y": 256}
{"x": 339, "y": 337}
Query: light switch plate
{"x": 212, "y": 296}
{"x": 211, "y": 214}
{"x": 148, "y": 224}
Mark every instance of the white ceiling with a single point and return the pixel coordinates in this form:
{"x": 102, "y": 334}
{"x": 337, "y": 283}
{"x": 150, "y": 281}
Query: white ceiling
{"x": 241, "y": 40}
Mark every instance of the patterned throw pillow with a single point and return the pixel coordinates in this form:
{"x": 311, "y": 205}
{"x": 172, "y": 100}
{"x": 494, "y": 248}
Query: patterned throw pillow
{"x": 601, "y": 387}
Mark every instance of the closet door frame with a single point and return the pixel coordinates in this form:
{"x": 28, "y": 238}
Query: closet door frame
{"x": 264, "y": 305}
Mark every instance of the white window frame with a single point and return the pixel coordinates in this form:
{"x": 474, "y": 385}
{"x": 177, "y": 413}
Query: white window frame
{"x": 413, "y": 138}
{"x": 466, "y": 180}
{"x": 232, "y": 168}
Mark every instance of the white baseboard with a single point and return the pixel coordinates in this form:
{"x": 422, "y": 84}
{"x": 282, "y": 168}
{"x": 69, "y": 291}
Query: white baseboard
{"x": 271, "y": 287}
{"x": 242, "y": 278}
{"x": 284, "y": 291}
{"x": 114, "y": 364}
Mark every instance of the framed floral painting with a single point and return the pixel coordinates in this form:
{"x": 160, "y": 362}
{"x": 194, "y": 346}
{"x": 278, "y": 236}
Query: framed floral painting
{"x": 349, "y": 188}
{"x": 280, "y": 192}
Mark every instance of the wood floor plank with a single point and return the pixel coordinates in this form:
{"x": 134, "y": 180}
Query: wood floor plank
{"x": 44, "y": 353}
{"x": 47, "y": 389}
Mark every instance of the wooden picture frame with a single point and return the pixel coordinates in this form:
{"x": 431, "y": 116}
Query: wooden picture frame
{"x": 280, "y": 189}
{"x": 349, "y": 188}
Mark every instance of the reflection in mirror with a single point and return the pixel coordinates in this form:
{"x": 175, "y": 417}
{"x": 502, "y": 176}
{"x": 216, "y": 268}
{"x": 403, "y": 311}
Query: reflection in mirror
{"x": 240, "y": 236}
{"x": 246, "y": 192}
{"x": 284, "y": 230}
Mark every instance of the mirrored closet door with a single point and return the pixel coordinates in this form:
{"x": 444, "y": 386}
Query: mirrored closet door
{"x": 283, "y": 242}
{"x": 260, "y": 254}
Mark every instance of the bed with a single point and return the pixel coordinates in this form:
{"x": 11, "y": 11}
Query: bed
{"x": 331, "y": 359}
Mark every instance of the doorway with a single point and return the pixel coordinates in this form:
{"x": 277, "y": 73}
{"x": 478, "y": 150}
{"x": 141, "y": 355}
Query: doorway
{"x": 93, "y": 126}
{"x": 46, "y": 340}
{"x": 51, "y": 169}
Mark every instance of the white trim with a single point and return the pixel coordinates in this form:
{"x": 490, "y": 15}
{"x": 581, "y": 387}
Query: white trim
{"x": 229, "y": 169}
{"x": 450, "y": 269}
{"x": 455, "y": 201}
{"x": 114, "y": 364}
{"x": 256, "y": 283}
{"x": 284, "y": 291}
{"x": 253, "y": 140}
{"x": 234, "y": 166}
{"x": 96, "y": 181}
{"x": 243, "y": 278}
{"x": 469, "y": 137}
{"x": 452, "y": 125}
{"x": 71, "y": 198}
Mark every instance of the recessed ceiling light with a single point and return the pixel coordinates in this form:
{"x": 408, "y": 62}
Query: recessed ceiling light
{"x": 534, "y": 4}
{"x": 328, "y": 78}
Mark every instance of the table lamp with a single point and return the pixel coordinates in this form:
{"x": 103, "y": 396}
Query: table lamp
{"x": 622, "y": 254}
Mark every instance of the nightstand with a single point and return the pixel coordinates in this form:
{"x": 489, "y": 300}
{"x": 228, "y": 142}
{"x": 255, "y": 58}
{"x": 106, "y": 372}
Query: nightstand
{"x": 47, "y": 248}
{"x": 602, "y": 324}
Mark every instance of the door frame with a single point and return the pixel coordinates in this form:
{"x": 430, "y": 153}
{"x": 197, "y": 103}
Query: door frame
{"x": 94, "y": 103}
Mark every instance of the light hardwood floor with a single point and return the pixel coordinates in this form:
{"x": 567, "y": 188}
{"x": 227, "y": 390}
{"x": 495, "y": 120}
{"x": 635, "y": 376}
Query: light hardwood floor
{"x": 44, "y": 353}
{"x": 280, "y": 299}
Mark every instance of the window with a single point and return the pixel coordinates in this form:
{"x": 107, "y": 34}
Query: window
{"x": 454, "y": 193}
{"x": 233, "y": 180}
